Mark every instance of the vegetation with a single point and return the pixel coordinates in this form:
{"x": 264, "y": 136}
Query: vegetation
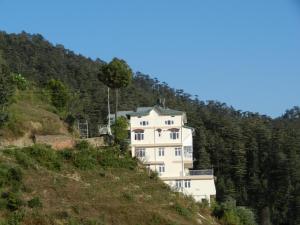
{"x": 31, "y": 113}
{"x": 58, "y": 93}
{"x": 230, "y": 214}
{"x": 116, "y": 74}
{"x": 120, "y": 132}
{"x": 255, "y": 158}
{"x": 6, "y": 90}
{"x": 110, "y": 189}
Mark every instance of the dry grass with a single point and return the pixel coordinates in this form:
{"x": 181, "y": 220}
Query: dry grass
{"x": 102, "y": 195}
{"x": 31, "y": 113}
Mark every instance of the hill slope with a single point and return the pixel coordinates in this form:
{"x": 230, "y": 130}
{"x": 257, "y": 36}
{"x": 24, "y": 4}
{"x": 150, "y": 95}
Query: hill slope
{"x": 87, "y": 186}
{"x": 31, "y": 113}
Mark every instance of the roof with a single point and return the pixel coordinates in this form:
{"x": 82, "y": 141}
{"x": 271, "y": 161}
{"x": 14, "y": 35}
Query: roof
{"x": 144, "y": 111}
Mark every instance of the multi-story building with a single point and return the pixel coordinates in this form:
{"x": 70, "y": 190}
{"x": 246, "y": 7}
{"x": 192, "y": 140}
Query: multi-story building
{"x": 162, "y": 141}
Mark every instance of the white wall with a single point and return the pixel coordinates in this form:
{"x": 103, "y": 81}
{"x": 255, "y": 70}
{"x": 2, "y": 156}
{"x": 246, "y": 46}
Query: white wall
{"x": 200, "y": 189}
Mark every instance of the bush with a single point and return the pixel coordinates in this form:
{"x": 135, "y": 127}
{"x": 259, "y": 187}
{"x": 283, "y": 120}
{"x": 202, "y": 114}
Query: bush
{"x": 182, "y": 211}
{"x": 66, "y": 154}
{"x": 15, "y": 218}
{"x": 35, "y": 203}
{"x": 113, "y": 159}
{"x": 12, "y": 200}
{"x": 231, "y": 218}
{"x": 82, "y": 146}
{"x": 10, "y": 176}
{"x": 3, "y": 118}
{"x": 153, "y": 175}
{"x": 59, "y": 93}
{"x": 230, "y": 214}
{"x": 45, "y": 156}
{"x": 19, "y": 81}
{"x": 128, "y": 196}
{"x": 246, "y": 216}
{"x": 85, "y": 160}
{"x": 23, "y": 159}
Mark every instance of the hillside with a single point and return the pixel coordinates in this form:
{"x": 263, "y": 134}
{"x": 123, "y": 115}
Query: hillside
{"x": 31, "y": 113}
{"x": 255, "y": 158}
{"x": 87, "y": 186}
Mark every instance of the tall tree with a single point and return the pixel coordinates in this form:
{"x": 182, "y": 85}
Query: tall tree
{"x": 6, "y": 89}
{"x": 116, "y": 74}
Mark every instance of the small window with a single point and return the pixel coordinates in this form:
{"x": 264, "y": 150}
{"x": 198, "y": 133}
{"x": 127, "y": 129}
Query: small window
{"x": 177, "y": 151}
{"x": 140, "y": 152}
{"x": 169, "y": 122}
{"x": 161, "y": 152}
{"x": 144, "y": 123}
{"x": 187, "y": 183}
{"x": 161, "y": 168}
{"x": 178, "y": 183}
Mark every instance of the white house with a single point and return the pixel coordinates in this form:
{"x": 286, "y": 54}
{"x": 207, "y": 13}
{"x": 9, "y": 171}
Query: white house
{"x": 162, "y": 141}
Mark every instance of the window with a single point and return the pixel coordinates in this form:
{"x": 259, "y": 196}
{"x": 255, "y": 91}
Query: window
{"x": 161, "y": 152}
{"x": 188, "y": 152}
{"x": 144, "y": 123}
{"x": 174, "y": 134}
{"x": 177, "y": 151}
{"x": 140, "y": 152}
{"x": 161, "y": 168}
{"x": 169, "y": 122}
{"x": 139, "y": 135}
{"x": 187, "y": 183}
{"x": 178, "y": 184}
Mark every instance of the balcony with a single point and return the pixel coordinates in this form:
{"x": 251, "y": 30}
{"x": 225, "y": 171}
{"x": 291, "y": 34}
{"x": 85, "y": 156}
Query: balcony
{"x": 208, "y": 172}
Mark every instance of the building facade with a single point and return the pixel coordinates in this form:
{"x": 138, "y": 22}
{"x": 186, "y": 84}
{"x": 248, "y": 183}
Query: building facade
{"x": 163, "y": 143}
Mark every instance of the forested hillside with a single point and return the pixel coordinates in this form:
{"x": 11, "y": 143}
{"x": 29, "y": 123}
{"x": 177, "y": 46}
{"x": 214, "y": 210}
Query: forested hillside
{"x": 256, "y": 158}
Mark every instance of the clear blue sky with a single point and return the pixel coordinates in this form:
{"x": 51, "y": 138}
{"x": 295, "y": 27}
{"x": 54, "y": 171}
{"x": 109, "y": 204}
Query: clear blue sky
{"x": 244, "y": 53}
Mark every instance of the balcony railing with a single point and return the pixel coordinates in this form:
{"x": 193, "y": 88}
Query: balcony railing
{"x": 208, "y": 172}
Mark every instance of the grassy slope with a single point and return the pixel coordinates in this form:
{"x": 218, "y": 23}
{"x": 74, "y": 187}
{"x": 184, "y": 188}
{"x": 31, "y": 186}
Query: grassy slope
{"x": 31, "y": 113}
{"x": 90, "y": 187}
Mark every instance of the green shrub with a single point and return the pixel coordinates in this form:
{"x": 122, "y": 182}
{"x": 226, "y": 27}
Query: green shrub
{"x": 12, "y": 200}
{"x": 19, "y": 81}
{"x": 3, "y": 118}
{"x": 231, "y": 218}
{"x": 82, "y": 146}
{"x": 113, "y": 159}
{"x": 14, "y": 174}
{"x": 35, "y": 203}
{"x": 85, "y": 160}
{"x": 10, "y": 176}
{"x": 59, "y": 93}
{"x": 181, "y": 210}
{"x": 230, "y": 214}
{"x": 66, "y": 154}
{"x": 153, "y": 175}
{"x": 23, "y": 159}
{"x": 128, "y": 196}
{"x": 15, "y": 218}
{"x": 246, "y": 216}
{"x": 45, "y": 156}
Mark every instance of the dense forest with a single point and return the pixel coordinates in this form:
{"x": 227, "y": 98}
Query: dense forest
{"x": 256, "y": 159}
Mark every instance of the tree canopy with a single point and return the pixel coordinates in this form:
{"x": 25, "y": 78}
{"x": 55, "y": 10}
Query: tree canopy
{"x": 116, "y": 74}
